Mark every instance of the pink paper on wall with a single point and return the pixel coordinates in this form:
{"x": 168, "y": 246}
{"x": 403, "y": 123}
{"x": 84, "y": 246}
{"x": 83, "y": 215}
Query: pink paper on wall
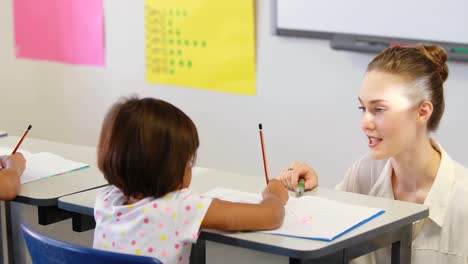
{"x": 70, "y": 31}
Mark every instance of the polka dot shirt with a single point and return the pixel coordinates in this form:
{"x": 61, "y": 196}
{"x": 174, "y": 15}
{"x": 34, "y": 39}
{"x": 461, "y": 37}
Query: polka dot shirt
{"x": 163, "y": 228}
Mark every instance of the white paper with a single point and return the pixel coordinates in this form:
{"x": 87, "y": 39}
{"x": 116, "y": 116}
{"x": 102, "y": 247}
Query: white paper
{"x": 234, "y": 195}
{"x": 7, "y": 151}
{"x": 44, "y": 164}
{"x": 308, "y": 216}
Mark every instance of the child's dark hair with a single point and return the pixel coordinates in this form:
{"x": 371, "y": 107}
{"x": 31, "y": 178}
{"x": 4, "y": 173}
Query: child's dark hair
{"x": 145, "y": 145}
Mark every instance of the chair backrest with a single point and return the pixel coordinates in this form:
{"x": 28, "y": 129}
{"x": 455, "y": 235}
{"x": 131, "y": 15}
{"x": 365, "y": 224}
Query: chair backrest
{"x": 46, "y": 250}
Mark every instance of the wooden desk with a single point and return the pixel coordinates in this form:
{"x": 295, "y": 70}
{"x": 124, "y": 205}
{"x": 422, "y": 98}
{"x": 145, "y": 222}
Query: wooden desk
{"x": 393, "y": 228}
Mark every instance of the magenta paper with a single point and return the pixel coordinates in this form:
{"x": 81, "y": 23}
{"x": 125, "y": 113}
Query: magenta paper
{"x": 70, "y": 31}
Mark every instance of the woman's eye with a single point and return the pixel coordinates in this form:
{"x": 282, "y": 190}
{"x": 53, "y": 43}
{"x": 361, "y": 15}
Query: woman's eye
{"x": 362, "y": 108}
{"x": 379, "y": 109}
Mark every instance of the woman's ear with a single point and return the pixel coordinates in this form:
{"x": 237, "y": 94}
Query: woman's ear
{"x": 425, "y": 111}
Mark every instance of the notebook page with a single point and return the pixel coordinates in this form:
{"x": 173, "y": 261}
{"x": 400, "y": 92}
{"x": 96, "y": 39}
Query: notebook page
{"x": 308, "y": 216}
{"x": 44, "y": 164}
{"x": 7, "y": 151}
{"x": 322, "y": 219}
{"x": 234, "y": 195}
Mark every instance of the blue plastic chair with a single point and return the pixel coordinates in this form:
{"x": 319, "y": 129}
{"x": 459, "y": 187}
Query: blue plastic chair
{"x": 46, "y": 250}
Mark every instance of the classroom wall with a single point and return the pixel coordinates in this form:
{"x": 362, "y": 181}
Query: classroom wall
{"x": 306, "y": 98}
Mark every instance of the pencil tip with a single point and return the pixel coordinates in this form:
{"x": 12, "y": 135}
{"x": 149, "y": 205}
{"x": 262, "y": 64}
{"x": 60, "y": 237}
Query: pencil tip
{"x": 260, "y": 126}
{"x": 29, "y": 127}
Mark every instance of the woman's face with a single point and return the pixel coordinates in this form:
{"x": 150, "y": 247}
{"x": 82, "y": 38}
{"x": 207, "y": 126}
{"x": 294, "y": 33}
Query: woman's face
{"x": 388, "y": 116}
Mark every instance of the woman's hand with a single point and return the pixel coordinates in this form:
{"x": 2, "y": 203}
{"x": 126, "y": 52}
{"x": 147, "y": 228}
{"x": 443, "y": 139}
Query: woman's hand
{"x": 290, "y": 176}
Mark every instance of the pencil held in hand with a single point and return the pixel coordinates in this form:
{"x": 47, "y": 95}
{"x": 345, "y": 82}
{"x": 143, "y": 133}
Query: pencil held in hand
{"x": 21, "y": 140}
{"x": 263, "y": 153}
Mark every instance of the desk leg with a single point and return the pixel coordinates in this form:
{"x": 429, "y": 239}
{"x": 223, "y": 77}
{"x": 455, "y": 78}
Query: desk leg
{"x": 9, "y": 234}
{"x": 82, "y": 222}
{"x": 401, "y": 249}
{"x": 198, "y": 252}
{"x": 51, "y": 214}
{"x": 337, "y": 257}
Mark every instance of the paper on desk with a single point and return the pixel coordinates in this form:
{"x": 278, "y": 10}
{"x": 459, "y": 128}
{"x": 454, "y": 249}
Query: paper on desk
{"x": 44, "y": 164}
{"x": 234, "y": 195}
{"x": 309, "y": 217}
{"x": 7, "y": 151}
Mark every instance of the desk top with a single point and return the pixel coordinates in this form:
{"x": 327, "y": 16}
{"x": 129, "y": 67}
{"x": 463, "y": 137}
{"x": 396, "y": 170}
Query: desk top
{"x": 397, "y": 214}
{"x": 45, "y": 192}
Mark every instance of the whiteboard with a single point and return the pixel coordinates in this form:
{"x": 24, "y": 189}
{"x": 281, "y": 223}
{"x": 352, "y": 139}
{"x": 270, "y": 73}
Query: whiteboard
{"x": 430, "y": 20}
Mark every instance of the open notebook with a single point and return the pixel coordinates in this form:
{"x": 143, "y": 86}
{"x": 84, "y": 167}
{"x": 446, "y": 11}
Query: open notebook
{"x": 44, "y": 164}
{"x": 309, "y": 217}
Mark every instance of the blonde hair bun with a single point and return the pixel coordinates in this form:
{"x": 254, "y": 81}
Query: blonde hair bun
{"x": 438, "y": 56}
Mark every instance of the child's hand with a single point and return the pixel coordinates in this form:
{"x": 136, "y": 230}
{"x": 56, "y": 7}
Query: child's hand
{"x": 277, "y": 189}
{"x": 15, "y": 162}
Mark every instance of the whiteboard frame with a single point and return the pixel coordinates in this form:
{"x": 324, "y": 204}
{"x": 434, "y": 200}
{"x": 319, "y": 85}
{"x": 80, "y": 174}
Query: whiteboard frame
{"x": 355, "y": 42}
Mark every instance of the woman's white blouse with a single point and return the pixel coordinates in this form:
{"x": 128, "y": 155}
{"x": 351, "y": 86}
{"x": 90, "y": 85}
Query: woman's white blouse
{"x": 443, "y": 237}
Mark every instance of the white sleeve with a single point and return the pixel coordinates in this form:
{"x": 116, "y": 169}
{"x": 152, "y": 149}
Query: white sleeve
{"x": 349, "y": 182}
{"x": 361, "y": 176}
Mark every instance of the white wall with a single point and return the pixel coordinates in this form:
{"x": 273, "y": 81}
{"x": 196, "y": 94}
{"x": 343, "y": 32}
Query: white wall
{"x": 306, "y": 98}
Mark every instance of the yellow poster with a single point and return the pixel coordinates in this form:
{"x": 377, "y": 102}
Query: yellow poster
{"x": 206, "y": 44}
